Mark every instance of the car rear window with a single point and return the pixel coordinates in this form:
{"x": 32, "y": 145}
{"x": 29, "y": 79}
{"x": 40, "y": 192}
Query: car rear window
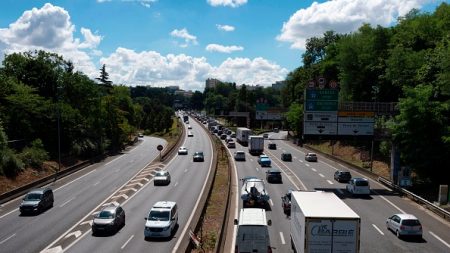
{"x": 345, "y": 173}
{"x": 410, "y": 222}
{"x": 362, "y": 183}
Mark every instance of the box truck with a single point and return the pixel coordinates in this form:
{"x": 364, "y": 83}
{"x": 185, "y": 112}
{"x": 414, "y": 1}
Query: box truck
{"x": 321, "y": 222}
{"x": 242, "y": 135}
{"x": 255, "y": 145}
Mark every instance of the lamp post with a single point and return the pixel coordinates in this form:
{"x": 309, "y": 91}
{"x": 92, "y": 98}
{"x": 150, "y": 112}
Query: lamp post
{"x": 58, "y": 116}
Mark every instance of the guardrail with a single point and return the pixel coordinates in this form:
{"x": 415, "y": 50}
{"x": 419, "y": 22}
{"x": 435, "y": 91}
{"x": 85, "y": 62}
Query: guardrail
{"x": 430, "y": 206}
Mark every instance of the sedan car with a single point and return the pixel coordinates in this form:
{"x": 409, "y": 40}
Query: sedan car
{"x": 198, "y": 157}
{"x": 109, "y": 219}
{"x": 342, "y": 176}
{"x": 273, "y": 175}
{"x": 239, "y": 156}
{"x": 189, "y": 127}
{"x": 264, "y": 161}
{"x": 182, "y": 151}
{"x": 162, "y": 178}
{"x": 404, "y": 225}
{"x": 311, "y": 157}
{"x": 287, "y": 157}
{"x": 231, "y": 144}
{"x": 190, "y": 134}
{"x": 272, "y": 146}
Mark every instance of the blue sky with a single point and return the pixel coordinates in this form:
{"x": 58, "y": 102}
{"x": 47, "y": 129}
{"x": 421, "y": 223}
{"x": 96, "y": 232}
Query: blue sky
{"x": 183, "y": 42}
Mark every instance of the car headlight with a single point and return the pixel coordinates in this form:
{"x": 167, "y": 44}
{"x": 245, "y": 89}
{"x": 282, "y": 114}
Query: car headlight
{"x": 166, "y": 228}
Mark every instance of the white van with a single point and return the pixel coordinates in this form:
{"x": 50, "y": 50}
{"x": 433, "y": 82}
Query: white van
{"x": 161, "y": 220}
{"x": 252, "y": 232}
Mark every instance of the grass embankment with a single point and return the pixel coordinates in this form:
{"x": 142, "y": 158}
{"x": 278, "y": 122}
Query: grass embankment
{"x": 216, "y": 205}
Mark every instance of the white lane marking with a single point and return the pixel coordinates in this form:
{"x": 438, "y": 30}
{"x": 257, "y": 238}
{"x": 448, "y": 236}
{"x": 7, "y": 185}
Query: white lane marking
{"x": 98, "y": 182}
{"x": 282, "y": 238}
{"x": 331, "y": 166}
{"x": 300, "y": 160}
{"x": 87, "y": 222}
{"x": 435, "y": 236}
{"x": 340, "y": 191}
{"x": 321, "y": 175}
{"x": 76, "y": 179}
{"x": 176, "y": 183}
{"x": 295, "y": 157}
{"x": 257, "y": 169}
{"x": 379, "y": 230}
{"x": 313, "y": 169}
{"x": 125, "y": 244}
{"x": 76, "y": 234}
{"x": 65, "y": 203}
{"x": 329, "y": 181}
{"x": 11, "y": 236}
{"x": 185, "y": 170}
{"x": 271, "y": 202}
{"x": 9, "y": 212}
{"x": 392, "y": 204}
{"x": 307, "y": 165}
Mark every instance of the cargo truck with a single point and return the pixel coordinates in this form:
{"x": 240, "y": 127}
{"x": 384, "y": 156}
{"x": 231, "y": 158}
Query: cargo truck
{"x": 242, "y": 135}
{"x": 256, "y": 145}
{"x": 321, "y": 222}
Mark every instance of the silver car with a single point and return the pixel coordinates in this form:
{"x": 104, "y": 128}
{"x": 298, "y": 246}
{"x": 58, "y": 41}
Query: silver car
{"x": 404, "y": 225}
{"x": 109, "y": 219}
{"x": 162, "y": 178}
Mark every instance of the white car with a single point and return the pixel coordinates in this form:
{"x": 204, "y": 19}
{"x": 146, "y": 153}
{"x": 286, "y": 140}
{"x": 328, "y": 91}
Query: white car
{"x": 182, "y": 151}
{"x": 404, "y": 225}
{"x": 161, "y": 220}
{"x": 189, "y": 127}
{"x": 162, "y": 178}
{"x": 190, "y": 134}
{"x": 358, "y": 186}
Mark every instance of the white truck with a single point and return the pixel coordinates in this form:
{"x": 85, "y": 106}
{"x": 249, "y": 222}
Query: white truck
{"x": 252, "y": 231}
{"x": 321, "y": 222}
{"x": 255, "y": 144}
{"x": 242, "y": 135}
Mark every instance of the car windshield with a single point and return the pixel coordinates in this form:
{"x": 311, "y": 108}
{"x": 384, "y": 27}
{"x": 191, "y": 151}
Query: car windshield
{"x": 312, "y": 155}
{"x": 199, "y": 153}
{"x": 362, "y": 183}
{"x": 410, "y": 222}
{"x": 159, "y": 216}
{"x": 33, "y": 196}
{"x": 160, "y": 174}
{"x": 105, "y": 215}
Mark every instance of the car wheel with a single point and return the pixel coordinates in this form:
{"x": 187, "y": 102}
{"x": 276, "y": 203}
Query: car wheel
{"x": 397, "y": 234}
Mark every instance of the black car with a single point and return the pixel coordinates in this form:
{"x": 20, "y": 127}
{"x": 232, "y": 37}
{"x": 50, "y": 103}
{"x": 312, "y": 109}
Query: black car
{"x": 286, "y": 202}
{"x": 273, "y": 175}
{"x": 342, "y": 176}
{"x": 37, "y": 200}
{"x": 198, "y": 157}
{"x": 287, "y": 157}
{"x": 272, "y": 146}
{"x": 109, "y": 219}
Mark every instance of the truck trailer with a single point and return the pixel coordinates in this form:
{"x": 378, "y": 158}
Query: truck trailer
{"x": 242, "y": 135}
{"x": 321, "y": 222}
{"x": 256, "y": 145}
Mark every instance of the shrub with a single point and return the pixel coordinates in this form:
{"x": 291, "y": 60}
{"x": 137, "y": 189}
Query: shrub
{"x": 10, "y": 164}
{"x": 35, "y": 155}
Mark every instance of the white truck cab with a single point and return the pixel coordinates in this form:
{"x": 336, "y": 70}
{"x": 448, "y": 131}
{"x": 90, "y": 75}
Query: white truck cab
{"x": 252, "y": 231}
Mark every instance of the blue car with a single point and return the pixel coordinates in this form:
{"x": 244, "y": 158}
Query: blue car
{"x": 264, "y": 161}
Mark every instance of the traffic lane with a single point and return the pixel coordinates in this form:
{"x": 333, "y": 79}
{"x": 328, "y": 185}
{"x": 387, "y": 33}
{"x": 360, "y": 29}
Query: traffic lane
{"x": 187, "y": 179}
{"x": 72, "y": 201}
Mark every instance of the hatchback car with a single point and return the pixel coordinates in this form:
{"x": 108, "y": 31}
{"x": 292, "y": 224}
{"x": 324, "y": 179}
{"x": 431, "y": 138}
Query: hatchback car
{"x": 189, "y": 127}
{"x": 239, "y": 156}
{"x": 273, "y": 175}
{"x": 182, "y": 151}
{"x": 272, "y": 146}
{"x": 264, "y": 161}
{"x": 231, "y": 144}
{"x": 223, "y": 136}
{"x": 342, "y": 176}
{"x": 162, "y": 219}
{"x": 162, "y": 178}
{"x": 266, "y": 135}
{"x": 198, "y": 157}
{"x": 287, "y": 157}
{"x": 190, "y": 134}
{"x": 109, "y": 219}
{"x": 358, "y": 186}
{"x": 37, "y": 200}
{"x": 311, "y": 157}
{"x": 404, "y": 225}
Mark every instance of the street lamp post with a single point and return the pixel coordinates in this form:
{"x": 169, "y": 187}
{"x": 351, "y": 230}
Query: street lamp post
{"x": 58, "y": 116}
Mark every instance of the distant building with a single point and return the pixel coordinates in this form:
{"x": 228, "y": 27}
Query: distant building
{"x": 211, "y": 83}
{"x": 173, "y": 87}
{"x": 278, "y": 85}
{"x": 184, "y": 93}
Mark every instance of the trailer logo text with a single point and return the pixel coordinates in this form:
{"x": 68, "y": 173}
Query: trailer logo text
{"x": 323, "y": 230}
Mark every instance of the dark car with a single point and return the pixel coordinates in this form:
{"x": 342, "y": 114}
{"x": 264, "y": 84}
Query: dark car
{"x": 273, "y": 175}
{"x": 272, "y": 146}
{"x": 37, "y": 200}
{"x": 109, "y": 219}
{"x": 287, "y": 157}
{"x": 223, "y": 136}
{"x": 286, "y": 202}
{"x": 342, "y": 176}
{"x": 198, "y": 157}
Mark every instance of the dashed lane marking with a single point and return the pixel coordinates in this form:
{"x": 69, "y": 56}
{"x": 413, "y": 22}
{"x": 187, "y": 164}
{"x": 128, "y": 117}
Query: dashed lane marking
{"x": 440, "y": 239}
{"x": 321, "y": 175}
{"x": 282, "y": 238}
{"x": 11, "y": 236}
{"x": 125, "y": 244}
{"x": 379, "y": 230}
{"x": 329, "y": 181}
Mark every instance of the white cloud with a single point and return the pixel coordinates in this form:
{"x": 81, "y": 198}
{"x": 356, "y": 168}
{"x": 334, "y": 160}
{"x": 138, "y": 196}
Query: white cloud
{"x": 231, "y": 3}
{"x": 223, "y": 49}
{"x": 49, "y": 28}
{"x": 184, "y": 34}
{"x": 342, "y": 16}
{"x": 226, "y": 28}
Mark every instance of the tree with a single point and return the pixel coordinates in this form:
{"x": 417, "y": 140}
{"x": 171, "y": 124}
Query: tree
{"x": 294, "y": 118}
{"x": 104, "y": 79}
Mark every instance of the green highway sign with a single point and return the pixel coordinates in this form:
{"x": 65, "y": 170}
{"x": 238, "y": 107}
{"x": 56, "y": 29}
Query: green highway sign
{"x": 322, "y": 94}
{"x": 314, "y": 105}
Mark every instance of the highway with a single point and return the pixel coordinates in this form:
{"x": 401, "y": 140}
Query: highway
{"x": 373, "y": 210}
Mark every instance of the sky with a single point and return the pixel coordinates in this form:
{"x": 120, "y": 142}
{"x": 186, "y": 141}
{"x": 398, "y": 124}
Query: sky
{"x": 184, "y": 42}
